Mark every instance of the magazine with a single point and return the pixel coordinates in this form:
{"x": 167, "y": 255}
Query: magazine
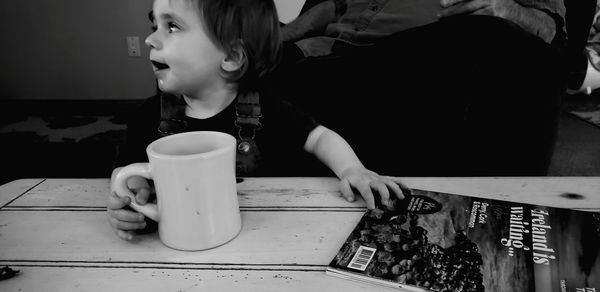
{"x": 433, "y": 241}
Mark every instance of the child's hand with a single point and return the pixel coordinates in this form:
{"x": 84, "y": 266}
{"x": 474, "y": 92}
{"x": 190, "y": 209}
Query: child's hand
{"x": 365, "y": 182}
{"x": 124, "y": 220}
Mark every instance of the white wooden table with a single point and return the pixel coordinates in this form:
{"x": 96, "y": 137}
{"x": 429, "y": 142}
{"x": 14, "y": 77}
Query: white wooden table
{"x": 56, "y": 233}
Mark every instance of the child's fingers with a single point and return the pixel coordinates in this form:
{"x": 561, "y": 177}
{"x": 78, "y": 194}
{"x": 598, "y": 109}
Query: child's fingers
{"x": 124, "y": 225}
{"x": 125, "y": 235}
{"x": 383, "y": 191}
{"x": 126, "y": 215}
{"x": 115, "y": 202}
{"x": 347, "y": 190}
{"x": 367, "y": 194}
{"x": 404, "y": 189}
{"x": 395, "y": 188}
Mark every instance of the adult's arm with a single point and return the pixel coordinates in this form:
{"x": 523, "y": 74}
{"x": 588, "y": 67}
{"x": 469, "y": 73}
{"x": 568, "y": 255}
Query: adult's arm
{"x": 537, "y": 21}
{"x": 314, "y": 19}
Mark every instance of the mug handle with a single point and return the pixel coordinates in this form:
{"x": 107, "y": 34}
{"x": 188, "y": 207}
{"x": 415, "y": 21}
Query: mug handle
{"x": 150, "y": 210}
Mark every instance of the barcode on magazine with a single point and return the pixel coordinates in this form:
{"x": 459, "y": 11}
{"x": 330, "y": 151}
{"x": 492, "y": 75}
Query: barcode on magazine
{"x": 362, "y": 258}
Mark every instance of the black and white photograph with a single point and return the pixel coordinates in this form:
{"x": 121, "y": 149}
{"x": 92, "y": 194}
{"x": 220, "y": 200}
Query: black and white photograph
{"x": 266, "y": 145}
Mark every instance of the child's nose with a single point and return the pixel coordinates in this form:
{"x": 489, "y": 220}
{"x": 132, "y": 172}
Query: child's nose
{"x": 152, "y": 42}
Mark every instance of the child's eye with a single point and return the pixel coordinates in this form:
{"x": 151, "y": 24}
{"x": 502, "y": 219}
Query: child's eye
{"x": 173, "y": 27}
{"x": 154, "y": 28}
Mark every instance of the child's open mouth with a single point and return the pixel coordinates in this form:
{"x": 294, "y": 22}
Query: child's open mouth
{"x": 159, "y": 66}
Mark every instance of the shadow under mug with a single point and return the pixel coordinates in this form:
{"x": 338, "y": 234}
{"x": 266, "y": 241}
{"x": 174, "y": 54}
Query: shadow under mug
{"x": 194, "y": 176}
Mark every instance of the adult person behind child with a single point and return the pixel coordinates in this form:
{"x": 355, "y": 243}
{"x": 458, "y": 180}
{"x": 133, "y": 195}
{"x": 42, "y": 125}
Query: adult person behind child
{"x": 475, "y": 91}
{"x": 209, "y": 57}
{"x": 330, "y": 25}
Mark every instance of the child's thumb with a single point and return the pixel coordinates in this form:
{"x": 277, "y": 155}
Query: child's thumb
{"x": 142, "y": 196}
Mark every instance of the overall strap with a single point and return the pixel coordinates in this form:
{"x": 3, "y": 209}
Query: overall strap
{"x": 248, "y": 114}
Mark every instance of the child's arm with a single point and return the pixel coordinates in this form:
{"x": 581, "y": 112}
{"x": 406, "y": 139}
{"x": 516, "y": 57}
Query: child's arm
{"x": 331, "y": 149}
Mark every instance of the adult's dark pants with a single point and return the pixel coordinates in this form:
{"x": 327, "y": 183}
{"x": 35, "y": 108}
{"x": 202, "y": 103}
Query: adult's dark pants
{"x": 468, "y": 96}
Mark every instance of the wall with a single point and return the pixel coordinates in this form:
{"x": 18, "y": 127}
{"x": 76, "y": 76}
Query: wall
{"x": 288, "y": 10}
{"x": 74, "y": 50}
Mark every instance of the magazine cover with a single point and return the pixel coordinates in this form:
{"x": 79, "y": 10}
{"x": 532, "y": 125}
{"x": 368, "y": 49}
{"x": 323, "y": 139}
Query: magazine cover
{"x": 434, "y": 241}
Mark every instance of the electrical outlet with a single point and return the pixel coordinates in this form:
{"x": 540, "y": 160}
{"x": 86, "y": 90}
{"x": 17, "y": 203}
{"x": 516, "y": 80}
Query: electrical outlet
{"x": 133, "y": 46}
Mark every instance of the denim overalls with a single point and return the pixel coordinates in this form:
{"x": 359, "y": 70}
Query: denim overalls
{"x": 248, "y": 114}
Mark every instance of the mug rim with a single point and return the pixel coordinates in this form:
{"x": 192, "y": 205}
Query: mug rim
{"x": 150, "y": 149}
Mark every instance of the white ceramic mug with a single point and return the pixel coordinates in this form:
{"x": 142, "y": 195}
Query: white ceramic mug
{"x": 194, "y": 177}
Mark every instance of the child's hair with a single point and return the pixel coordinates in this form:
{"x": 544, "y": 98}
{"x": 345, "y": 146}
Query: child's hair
{"x": 249, "y": 25}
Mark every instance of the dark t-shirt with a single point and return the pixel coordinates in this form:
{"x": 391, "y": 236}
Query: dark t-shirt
{"x": 280, "y": 140}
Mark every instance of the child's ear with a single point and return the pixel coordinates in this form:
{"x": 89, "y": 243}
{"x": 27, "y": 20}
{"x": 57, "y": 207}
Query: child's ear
{"x": 235, "y": 59}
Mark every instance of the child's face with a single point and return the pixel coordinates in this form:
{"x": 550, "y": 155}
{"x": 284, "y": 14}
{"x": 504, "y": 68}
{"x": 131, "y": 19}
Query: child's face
{"x": 184, "y": 59}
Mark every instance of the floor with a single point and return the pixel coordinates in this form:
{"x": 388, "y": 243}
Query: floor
{"x": 81, "y": 140}
{"x": 76, "y": 140}
{"x": 577, "y": 149}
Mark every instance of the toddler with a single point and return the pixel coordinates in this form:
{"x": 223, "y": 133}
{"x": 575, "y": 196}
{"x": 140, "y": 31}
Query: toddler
{"x": 208, "y": 57}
